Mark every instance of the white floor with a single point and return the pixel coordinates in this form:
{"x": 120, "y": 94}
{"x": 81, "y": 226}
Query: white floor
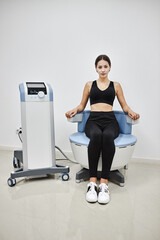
{"x": 49, "y": 208}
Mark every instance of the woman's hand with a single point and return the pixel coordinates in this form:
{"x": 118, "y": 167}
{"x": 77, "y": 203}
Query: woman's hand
{"x": 133, "y": 115}
{"x": 71, "y": 113}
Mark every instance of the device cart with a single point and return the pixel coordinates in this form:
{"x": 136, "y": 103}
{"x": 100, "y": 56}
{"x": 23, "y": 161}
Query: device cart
{"x": 38, "y": 141}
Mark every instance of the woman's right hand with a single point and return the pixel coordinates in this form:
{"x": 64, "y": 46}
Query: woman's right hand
{"x": 71, "y": 113}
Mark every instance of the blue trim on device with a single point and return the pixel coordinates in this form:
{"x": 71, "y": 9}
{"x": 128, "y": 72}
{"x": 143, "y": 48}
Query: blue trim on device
{"x": 123, "y": 140}
{"x": 22, "y": 92}
{"x": 125, "y": 128}
{"x": 50, "y": 93}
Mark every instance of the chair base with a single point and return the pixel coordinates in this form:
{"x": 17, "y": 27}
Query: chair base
{"x": 115, "y": 176}
{"x": 121, "y": 158}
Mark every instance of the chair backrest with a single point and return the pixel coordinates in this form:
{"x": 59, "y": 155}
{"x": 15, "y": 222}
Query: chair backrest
{"x": 125, "y": 128}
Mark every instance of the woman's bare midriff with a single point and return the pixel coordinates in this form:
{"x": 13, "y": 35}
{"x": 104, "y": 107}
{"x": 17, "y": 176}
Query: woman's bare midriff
{"x": 101, "y": 107}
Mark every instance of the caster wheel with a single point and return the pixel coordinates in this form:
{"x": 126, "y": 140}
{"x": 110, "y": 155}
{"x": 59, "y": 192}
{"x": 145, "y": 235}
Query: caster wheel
{"x": 11, "y": 182}
{"x": 65, "y": 177}
{"x": 15, "y": 162}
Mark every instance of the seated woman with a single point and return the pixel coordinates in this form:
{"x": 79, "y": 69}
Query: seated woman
{"x": 101, "y": 127}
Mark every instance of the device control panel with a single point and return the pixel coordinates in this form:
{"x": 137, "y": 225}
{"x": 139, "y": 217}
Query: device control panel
{"x": 35, "y": 92}
{"x": 35, "y": 88}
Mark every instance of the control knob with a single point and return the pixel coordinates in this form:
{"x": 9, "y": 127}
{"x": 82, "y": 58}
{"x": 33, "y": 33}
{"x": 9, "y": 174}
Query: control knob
{"x": 41, "y": 94}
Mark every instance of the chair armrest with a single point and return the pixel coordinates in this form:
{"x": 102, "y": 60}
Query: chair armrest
{"x": 131, "y": 121}
{"x": 76, "y": 118}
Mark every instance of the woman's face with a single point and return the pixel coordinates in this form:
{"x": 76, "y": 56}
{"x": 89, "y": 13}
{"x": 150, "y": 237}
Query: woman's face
{"x": 103, "y": 68}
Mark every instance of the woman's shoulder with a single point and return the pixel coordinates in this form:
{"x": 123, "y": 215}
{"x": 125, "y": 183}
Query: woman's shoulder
{"x": 117, "y": 86}
{"x": 89, "y": 85}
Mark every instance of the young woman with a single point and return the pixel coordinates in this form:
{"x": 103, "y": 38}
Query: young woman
{"x": 101, "y": 127}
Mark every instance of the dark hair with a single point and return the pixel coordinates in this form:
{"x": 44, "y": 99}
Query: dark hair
{"x": 103, "y": 57}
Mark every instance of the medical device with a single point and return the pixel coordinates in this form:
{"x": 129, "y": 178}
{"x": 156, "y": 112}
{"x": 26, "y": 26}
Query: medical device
{"x": 124, "y": 143}
{"x": 38, "y": 141}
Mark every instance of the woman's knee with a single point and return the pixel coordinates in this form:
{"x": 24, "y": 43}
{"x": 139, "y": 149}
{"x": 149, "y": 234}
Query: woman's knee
{"x": 96, "y": 136}
{"x": 108, "y": 137}
{"x": 93, "y": 132}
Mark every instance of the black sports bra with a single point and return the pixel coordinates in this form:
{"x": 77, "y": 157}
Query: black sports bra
{"x": 102, "y": 96}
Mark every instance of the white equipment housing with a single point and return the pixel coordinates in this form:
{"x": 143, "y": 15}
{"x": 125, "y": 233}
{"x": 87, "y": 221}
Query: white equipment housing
{"x": 38, "y": 125}
{"x": 38, "y": 142}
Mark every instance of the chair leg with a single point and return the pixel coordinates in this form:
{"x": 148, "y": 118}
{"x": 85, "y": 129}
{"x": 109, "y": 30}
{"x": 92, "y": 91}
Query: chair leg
{"x": 82, "y": 175}
{"x": 126, "y": 167}
{"x": 117, "y": 177}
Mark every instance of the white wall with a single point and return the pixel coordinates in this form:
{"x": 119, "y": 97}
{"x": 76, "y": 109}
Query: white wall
{"x": 58, "y": 41}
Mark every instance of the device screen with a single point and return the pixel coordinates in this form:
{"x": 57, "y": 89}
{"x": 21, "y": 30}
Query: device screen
{"x": 35, "y": 87}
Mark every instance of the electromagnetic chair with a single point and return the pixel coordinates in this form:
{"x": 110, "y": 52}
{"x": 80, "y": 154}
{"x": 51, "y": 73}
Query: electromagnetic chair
{"x": 125, "y": 144}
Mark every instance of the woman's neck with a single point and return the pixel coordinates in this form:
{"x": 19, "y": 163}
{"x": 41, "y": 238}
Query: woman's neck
{"x": 103, "y": 79}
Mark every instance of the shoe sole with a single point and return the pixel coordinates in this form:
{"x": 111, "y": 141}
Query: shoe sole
{"x": 91, "y": 201}
{"x": 103, "y": 203}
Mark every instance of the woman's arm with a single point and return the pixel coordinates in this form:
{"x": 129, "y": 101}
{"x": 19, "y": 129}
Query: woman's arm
{"x": 83, "y": 103}
{"x": 122, "y": 101}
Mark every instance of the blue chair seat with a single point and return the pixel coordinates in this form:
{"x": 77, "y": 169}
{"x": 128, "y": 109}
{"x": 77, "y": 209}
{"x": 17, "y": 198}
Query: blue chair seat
{"x": 122, "y": 140}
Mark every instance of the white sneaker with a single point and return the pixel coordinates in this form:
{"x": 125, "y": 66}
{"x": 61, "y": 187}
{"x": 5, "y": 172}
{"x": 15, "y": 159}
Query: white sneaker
{"x": 91, "y": 195}
{"x": 103, "y": 196}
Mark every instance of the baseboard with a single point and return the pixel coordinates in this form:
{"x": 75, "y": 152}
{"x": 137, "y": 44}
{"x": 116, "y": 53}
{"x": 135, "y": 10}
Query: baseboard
{"x": 9, "y": 148}
{"x": 145, "y": 160}
{"x": 69, "y": 154}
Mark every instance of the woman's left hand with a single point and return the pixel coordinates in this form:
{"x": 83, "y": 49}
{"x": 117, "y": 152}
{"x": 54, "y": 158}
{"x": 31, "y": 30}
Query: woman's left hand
{"x": 133, "y": 115}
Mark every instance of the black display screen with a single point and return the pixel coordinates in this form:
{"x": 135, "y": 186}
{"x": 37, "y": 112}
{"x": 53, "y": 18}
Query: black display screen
{"x": 35, "y": 87}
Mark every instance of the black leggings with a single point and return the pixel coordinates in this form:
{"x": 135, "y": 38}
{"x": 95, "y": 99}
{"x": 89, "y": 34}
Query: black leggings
{"x": 102, "y": 128}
